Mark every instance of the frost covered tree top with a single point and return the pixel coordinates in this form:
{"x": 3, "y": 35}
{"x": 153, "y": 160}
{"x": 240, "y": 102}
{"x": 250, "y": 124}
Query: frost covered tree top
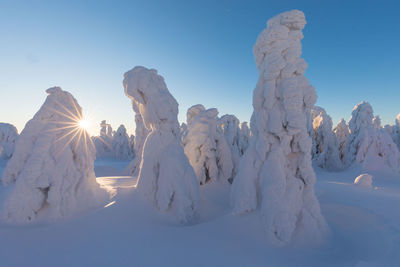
{"x": 8, "y": 138}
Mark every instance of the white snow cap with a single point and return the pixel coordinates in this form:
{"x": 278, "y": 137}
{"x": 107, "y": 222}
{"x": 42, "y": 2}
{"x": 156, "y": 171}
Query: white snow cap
{"x": 275, "y": 173}
{"x": 53, "y": 164}
{"x": 165, "y": 172}
{"x": 364, "y": 180}
{"x": 8, "y": 138}
{"x": 206, "y": 147}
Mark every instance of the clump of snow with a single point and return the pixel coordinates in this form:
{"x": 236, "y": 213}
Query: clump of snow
{"x": 342, "y": 133}
{"x": 368, "y": 147}
{"x": 103, "y": 142}
{"x": 8, "y": 138}
{"x": 121, "y": 144}
{"x": 206, "y": 147}
{"x": 53, "y": 164}
{"x": 165, "y": 172}
{"x": 364, "y": 180}
{"x": 230, "y": 127}
{"x": 244, "y": 138}
{"x": 141, "y": 133}
{"x": 325, "y": 151}
{"x": 275, "y": 174}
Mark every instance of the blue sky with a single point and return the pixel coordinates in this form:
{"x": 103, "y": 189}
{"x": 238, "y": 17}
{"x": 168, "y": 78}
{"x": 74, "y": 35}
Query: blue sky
{"x": 202, "y": 48}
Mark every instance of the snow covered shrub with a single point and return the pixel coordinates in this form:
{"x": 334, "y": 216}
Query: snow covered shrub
{"x": 8, "y": 138}
{"x": 368, "y": 147}
{"x": 364, "y": 180}
{"x": 325, "y": 150}
{"x": 342, "y": 133}
{"x": 120, "y": 144}
{"x": 244, "y": 137}
{"x": 206, "y": 147}
{"x": 165, "y": 172}
{"x": 103, "y": 142}
{"x": 230, "y": 127}
{"x": 141, "y": 133}
{"x": 275, "y": 173}
{"x": 53, "y": 164}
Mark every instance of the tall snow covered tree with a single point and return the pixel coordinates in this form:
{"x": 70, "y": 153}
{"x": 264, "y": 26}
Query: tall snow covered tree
{"x": 8, "y": 138}
{"x": 103, "y": 142}
{"x": 325, "y": 151}
{"x": 230, "y": 127}
{"x": 275, "y": 174}
{"x": 141, "y": 133}
{"x": 396, "y": 132}
{"x": 206, "y": 147}
{"x": 165, "y": 172}
{"x": 53, "y": 164}
{"x": 368, "y": 147}
{"x": 120, "y": 144}
{"x": 342, "y": 133}
{"x": 244, "y": 137}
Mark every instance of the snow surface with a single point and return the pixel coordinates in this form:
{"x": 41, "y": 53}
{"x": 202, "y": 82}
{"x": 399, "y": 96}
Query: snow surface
{"x": 8, "y": 138}
{"x": 165, "y": 176}
{"x": 53, "y": 165}
{"x": 364, "y": 180}
{"x": 275, "y": 174}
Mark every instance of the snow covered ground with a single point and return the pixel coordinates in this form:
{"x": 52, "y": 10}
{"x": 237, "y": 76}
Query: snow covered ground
{"x": 129, "y": 231}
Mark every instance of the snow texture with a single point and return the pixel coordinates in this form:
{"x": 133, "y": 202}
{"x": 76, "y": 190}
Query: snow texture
{"x": 141, "y": 133}
{"x": 244, "y": 137}
{"x": 121, "y": 145}
{"x": 165, "y": 172}
{"x": 342, "y": 134}
{"x": 103, "y": 142}
{"x": 53, "y": 164}
{"x": 364, "y": 180}
{"x": 206, "y": 147}
{"x": 368, "y": 147}
{"x": 230, "y": 127}
{"x": 276, "y": 174}
{"x": 8, "y": 138}
{"x": 325, "y": 151}
{"x": 396, "y": 131}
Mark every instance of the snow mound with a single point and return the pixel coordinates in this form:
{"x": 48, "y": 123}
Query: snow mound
{"x": 53, "y": 164}
{"x": 8, "y": 138}
{"x": 275, "y": 173}
{"x": 206, "y": 147}
{"x": 364, "y": 180}
{"x": 165, "y": 174}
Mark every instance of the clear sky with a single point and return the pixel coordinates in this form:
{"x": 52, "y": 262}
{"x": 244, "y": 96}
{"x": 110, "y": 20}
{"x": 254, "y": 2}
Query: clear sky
{"x": 202, "y": 48}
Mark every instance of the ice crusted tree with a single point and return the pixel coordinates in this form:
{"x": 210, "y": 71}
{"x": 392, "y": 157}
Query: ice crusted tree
{"x": 342, "y": 133}
{"x": 230, "y": 127}
{"x": 103, "y": 142}
{"x": 132, "y": 145}
{"x": 396, "y": 131}
{"x": 244, "y": 137}
{"x": 120, "y": 144}
{"x": 53, "y": 164}
{"x": 376, "y": 122}
{"x": 8, "y": 138}
{"x": 165, "y": 172}
{"x": 206, "y": 147}
{"x": 141, "y": 133}
{"x": 275, "y": 174}
{"x": 325, "y": 151}
{"x": 368, "y": 147}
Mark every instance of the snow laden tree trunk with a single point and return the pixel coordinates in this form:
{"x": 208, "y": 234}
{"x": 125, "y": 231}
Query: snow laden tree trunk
{"x": 165, "y": 172}
{"x": 141, "y": 133}
{"x": 244, "y": 137}
{"x": 8, "y": 138}
{"x": 120, "y": 144}
{"x": 275, "y": 174}
{"x": 53, "y": 164}
{"x": 342, "y": 134}
{"x": 230, "y": 127}
{"x": 206, "y": 147}
{"x": 325, "y": 151}
{"x": 103, "y": 142}
{"x": 369, "y": 148}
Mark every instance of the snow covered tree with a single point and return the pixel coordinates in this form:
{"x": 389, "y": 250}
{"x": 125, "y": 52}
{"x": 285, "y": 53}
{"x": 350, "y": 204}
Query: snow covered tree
{"x": 325, "y": 151}
{"x": 244, "y": 137}
{"x": 275, "y": 174}
{"x": 141, "y": 133}
{"x": 120, "y": 144}
{"x": 132, "y": 145}
{"x": 8, "y": 138}
{"x": 368, "y": 147}
{"x": 53, "y": 164}
{"x": 342, "y": 133}
{"x": 230, "y": 127}
{"x": 376, "y": 122}
{"x": 206, "y": 147}
{"x": 183, "y": 130}
{"x": 396, "y": 132}
{"x": 165, "y": 172}
{"x": 103, "y": 142}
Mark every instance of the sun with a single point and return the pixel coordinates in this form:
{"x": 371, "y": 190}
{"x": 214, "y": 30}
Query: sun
{"x": 84, "y": 124}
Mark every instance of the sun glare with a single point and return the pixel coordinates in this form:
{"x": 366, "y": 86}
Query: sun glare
{"x": 84, "y": 124}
